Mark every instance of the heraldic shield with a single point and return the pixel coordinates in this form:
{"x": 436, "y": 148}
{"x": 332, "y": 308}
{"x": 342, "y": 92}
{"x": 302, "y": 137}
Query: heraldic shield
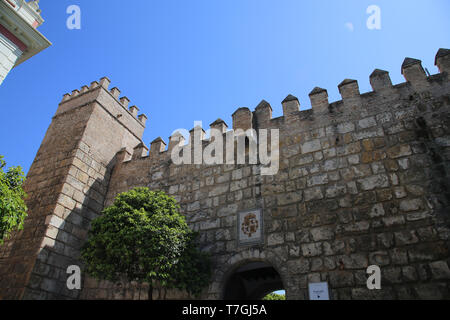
{"x": 250, "y": 226}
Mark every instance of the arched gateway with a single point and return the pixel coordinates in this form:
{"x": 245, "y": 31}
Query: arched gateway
{"x": 251, "y": 281}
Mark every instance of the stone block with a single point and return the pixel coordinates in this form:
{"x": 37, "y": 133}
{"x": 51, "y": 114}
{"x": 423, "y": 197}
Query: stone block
{"x": 298, "y": 266}
{"x": 313, "y": 194}
{"x": 311, "y": 146}
{"x": 311, "y": 249}
{"x": 399, "y": 151}
{"x": 289, "y": 198}
{"x": 339, "y": 279}
{"x": 440, "y": 270}
{"x": 322, "y": 233}
{"x": 374, "y": 182}
{"x": 275, "y": 239}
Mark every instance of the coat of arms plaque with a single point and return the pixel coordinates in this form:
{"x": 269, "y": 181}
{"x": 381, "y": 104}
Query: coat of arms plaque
{"x": 250, "y": 226}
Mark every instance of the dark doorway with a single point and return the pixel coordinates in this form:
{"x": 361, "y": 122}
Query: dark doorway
{"x": 252, "y": 281}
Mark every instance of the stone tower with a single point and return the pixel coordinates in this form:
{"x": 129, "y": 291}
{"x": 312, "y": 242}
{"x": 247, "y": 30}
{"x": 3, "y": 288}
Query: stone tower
{"x": 66, "y": 188}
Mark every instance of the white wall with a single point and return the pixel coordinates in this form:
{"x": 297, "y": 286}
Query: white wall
{"x": 9, "y": 53}
{"x": 27, "y": 11}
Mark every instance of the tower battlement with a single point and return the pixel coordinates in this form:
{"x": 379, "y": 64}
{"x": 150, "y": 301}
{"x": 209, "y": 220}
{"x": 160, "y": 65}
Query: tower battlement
{"x": 109, "y": 99}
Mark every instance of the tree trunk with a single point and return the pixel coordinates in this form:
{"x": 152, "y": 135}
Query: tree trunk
{"x": 150, "y": 291}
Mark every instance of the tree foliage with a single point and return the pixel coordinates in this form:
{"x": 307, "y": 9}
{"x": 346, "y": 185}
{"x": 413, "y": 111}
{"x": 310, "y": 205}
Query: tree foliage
{"x": 144, "y": 238}
{"x": 193, "y": 271}
{"x": 13, "y": 210}
{"x": 275, "y": 296}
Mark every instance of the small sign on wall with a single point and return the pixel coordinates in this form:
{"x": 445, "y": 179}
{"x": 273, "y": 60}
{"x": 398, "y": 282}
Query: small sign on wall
{"x": 318, "y": 291}
{"x": 250, "y": 226}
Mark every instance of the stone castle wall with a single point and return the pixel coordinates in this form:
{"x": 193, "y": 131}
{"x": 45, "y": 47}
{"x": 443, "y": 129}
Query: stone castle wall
{"x": 361, "y": 181}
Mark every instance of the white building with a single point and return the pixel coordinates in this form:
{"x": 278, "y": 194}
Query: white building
{"x": 19, "y": 39}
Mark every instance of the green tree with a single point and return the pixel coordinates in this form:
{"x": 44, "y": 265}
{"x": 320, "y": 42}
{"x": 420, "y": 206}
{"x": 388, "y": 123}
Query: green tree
{"x": 144, "y": 238}
{"x": 274, "y": 296}
{"x": 193, "y": 271}
{"x": 13, "y": 210}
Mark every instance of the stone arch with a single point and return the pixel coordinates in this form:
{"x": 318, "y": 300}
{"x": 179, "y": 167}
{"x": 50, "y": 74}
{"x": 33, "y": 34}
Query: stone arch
{"x": 228, "y": 266}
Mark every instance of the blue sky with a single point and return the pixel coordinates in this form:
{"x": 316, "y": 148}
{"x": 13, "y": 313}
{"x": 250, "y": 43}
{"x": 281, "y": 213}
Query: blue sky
{"x": 181, "y": 61}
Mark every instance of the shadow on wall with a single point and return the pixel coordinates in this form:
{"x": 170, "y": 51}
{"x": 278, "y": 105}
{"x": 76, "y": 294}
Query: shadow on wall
{"x": 49, "y": 276}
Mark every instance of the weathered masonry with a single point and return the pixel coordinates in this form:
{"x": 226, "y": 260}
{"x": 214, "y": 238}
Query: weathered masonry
{"x": 362, "y": 181}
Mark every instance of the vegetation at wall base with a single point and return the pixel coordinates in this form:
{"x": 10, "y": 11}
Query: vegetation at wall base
{"x": 143, "y": 237}
{"x": 13, "y": 209}
{"x": 274, "y": 296}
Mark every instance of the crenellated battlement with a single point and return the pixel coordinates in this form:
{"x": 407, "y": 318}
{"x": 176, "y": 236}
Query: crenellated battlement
{"x": 90, "y": 93}
{"x": 352, "y": 104}
{"x": 110, "y": 100}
